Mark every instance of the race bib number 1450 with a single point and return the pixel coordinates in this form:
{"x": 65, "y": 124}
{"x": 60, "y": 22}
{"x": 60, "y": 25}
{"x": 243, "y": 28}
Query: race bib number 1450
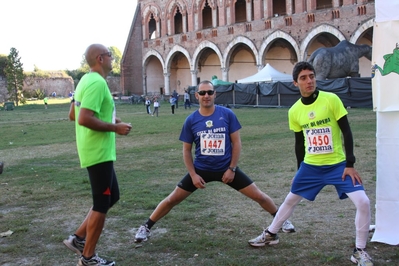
{"x": 319, "y": 140}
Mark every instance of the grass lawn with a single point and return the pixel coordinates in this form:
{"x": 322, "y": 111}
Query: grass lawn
{"x": 44, "y": 194}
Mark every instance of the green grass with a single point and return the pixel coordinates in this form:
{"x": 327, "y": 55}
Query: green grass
{"x": 44, "y": 194}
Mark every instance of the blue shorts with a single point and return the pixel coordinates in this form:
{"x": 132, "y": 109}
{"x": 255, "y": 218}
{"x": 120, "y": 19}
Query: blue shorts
{"x": 310, "y": 179}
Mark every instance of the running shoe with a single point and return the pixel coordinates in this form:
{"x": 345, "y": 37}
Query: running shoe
{"x": 74, "y": 244}
{"x": 143, "y": 233}
{"x": 288, "y": 227}
{"x": 95, "y": 261}
{"x": 361, "y": 258}
{"x": 264, "y": 239}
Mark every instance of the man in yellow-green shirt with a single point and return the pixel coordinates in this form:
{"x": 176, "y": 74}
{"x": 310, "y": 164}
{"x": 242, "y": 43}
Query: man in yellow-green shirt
{"x": 96, "y": 124}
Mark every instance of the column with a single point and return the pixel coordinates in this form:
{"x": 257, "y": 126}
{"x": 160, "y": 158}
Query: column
{"x": 158, "y": 33}
{"x": 214, "y": 17}
{"x": 225, "y": 73}
{"x": 194, "y": 77}
{"x": 167, "y": 83}
{"x": 249, "y": 11}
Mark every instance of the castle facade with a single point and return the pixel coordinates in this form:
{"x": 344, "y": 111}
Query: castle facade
{"x": 173, "y": 44}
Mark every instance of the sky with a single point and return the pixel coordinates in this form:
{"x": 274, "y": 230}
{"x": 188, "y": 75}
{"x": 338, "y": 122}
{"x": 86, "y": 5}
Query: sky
{"x": 54, "y": 34}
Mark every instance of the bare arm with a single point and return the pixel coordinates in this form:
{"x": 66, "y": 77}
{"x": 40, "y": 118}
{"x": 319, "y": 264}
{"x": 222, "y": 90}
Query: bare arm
{"x": 189, "y": 163}
{"x": 71, "y": 114}
{"x": 86, "y": 118}
{"x": 235, "y": 138}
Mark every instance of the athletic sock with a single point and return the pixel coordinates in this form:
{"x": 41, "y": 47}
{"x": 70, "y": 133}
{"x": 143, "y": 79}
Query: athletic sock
{"x": 150, "y": 223}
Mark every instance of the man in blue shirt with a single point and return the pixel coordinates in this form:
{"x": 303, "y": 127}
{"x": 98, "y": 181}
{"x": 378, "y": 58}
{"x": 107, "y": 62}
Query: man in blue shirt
{"x": 215, "y": 132}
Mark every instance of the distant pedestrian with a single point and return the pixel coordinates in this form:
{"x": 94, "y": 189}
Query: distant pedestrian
{"x": 187, "y": 102}
{"x": 172, "y": 102}
{"x": 176, "y": 96}
{"x": 45, "y": 100}
{"x": 156, "y": 106}
{"x": 148, "y": 105}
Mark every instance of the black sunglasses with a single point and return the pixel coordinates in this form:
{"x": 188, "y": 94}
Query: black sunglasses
{"x": 202, "y": 93}
{"x": 109, "y": 54}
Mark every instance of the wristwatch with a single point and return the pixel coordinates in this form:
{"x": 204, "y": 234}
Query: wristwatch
{"x": 233, "y": 169}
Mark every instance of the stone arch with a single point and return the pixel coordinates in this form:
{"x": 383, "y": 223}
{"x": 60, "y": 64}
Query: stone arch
{"x": 169, "y": 57}
{"x": 146, "y": 16}
{"x": 316, "y": 31}
{"x": 171, "y": 6}
{"x": 151, "y": 8}
{"x": 278, "y": 34}
{"x": 361, "y": 29}
{"x": 200, "y": 48}
{"x": 148, "y": 55}
{"x": 234, "y": 42}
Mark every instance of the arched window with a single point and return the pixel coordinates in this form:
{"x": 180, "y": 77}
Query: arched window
{"x": 240, "y": 10}
{"x": 178, "y": 21}
{"x": 206, "y": 16}
{"x": 152, "y": 27}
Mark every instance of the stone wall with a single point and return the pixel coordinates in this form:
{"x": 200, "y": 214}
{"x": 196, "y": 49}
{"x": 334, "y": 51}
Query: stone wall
{"x": 61, "y": 86}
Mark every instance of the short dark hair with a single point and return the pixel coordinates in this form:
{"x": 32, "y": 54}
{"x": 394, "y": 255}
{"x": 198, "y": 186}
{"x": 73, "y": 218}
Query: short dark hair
{"x": 303, "y": 65}
{"x": 205, "y": 82}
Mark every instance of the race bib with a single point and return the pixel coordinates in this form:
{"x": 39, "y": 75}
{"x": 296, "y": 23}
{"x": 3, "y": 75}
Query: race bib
{"x": 212, "y": 144}
{"x": 319, "y": 140}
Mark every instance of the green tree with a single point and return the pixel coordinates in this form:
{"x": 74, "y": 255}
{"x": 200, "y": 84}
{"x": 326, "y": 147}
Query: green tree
{"x": 3, "y": 63}
{"x": 116, "y": 65}
{"x": 15, "y": 77}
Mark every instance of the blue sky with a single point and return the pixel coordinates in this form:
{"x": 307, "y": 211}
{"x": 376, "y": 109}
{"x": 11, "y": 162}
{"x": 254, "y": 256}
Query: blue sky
{"x": 53, "y": 34}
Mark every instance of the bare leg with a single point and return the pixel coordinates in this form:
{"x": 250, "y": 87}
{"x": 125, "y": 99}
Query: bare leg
{"x": 174, "y": 198}
{"x": 254, "y": 193}
{"x": 95, "y": 225}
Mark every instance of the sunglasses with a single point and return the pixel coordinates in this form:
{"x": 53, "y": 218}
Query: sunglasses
{"x": 109, "y": 54}
{"x": 202, "y": 93}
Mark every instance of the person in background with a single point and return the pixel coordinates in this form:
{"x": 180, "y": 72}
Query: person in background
{"x": 186, "y": 100}
{"x": 176, "y": 96}
{"x": 214, "y": 130}
{"x": 156, "y": 106}
{"x": 95, "y": 126}
{"x": 148, "y": 105}
{"x": 45, "y": 100}
{"x": 172, "y": 102}
{"x": 318, "y": 118}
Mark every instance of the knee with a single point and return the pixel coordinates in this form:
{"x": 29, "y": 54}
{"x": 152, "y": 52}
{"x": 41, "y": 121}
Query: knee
{"x": 364, "y": 203}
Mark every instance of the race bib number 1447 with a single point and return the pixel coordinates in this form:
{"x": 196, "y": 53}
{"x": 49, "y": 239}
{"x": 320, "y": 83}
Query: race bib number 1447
{"x": 213, "y": 144}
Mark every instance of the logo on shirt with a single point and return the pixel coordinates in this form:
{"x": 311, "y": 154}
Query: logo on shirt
{"x": 311, "y": 115}
{"x": 209, "y": 123}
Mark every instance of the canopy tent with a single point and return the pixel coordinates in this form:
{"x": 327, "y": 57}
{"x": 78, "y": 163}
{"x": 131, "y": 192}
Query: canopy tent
{"x": 267, "y": 74}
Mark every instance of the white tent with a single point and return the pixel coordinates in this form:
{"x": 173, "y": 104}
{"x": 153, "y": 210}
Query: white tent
{"x": 267, "y": 74}
{"x": 385, "y": 101}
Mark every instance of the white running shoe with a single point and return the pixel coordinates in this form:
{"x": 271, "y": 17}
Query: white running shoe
{"x": 143, "y": 233}
{"x": 361, "y": 258}
{"x": 288, "y": 227}
{"x": 263, "y": 239}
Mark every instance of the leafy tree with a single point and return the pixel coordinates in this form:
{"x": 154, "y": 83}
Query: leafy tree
{"x": 3, "y": 62}
{"x": 116, "y": 68}
{"x": 15, "y": 76}
{"x": 116, "y": 65}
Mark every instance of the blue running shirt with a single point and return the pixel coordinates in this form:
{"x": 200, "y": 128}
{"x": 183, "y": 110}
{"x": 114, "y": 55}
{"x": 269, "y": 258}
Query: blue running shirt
{"x": 211, "y": 136}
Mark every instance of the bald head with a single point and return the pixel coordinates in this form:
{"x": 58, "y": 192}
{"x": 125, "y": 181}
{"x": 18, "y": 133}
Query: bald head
{"x": 93, "y": 51}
